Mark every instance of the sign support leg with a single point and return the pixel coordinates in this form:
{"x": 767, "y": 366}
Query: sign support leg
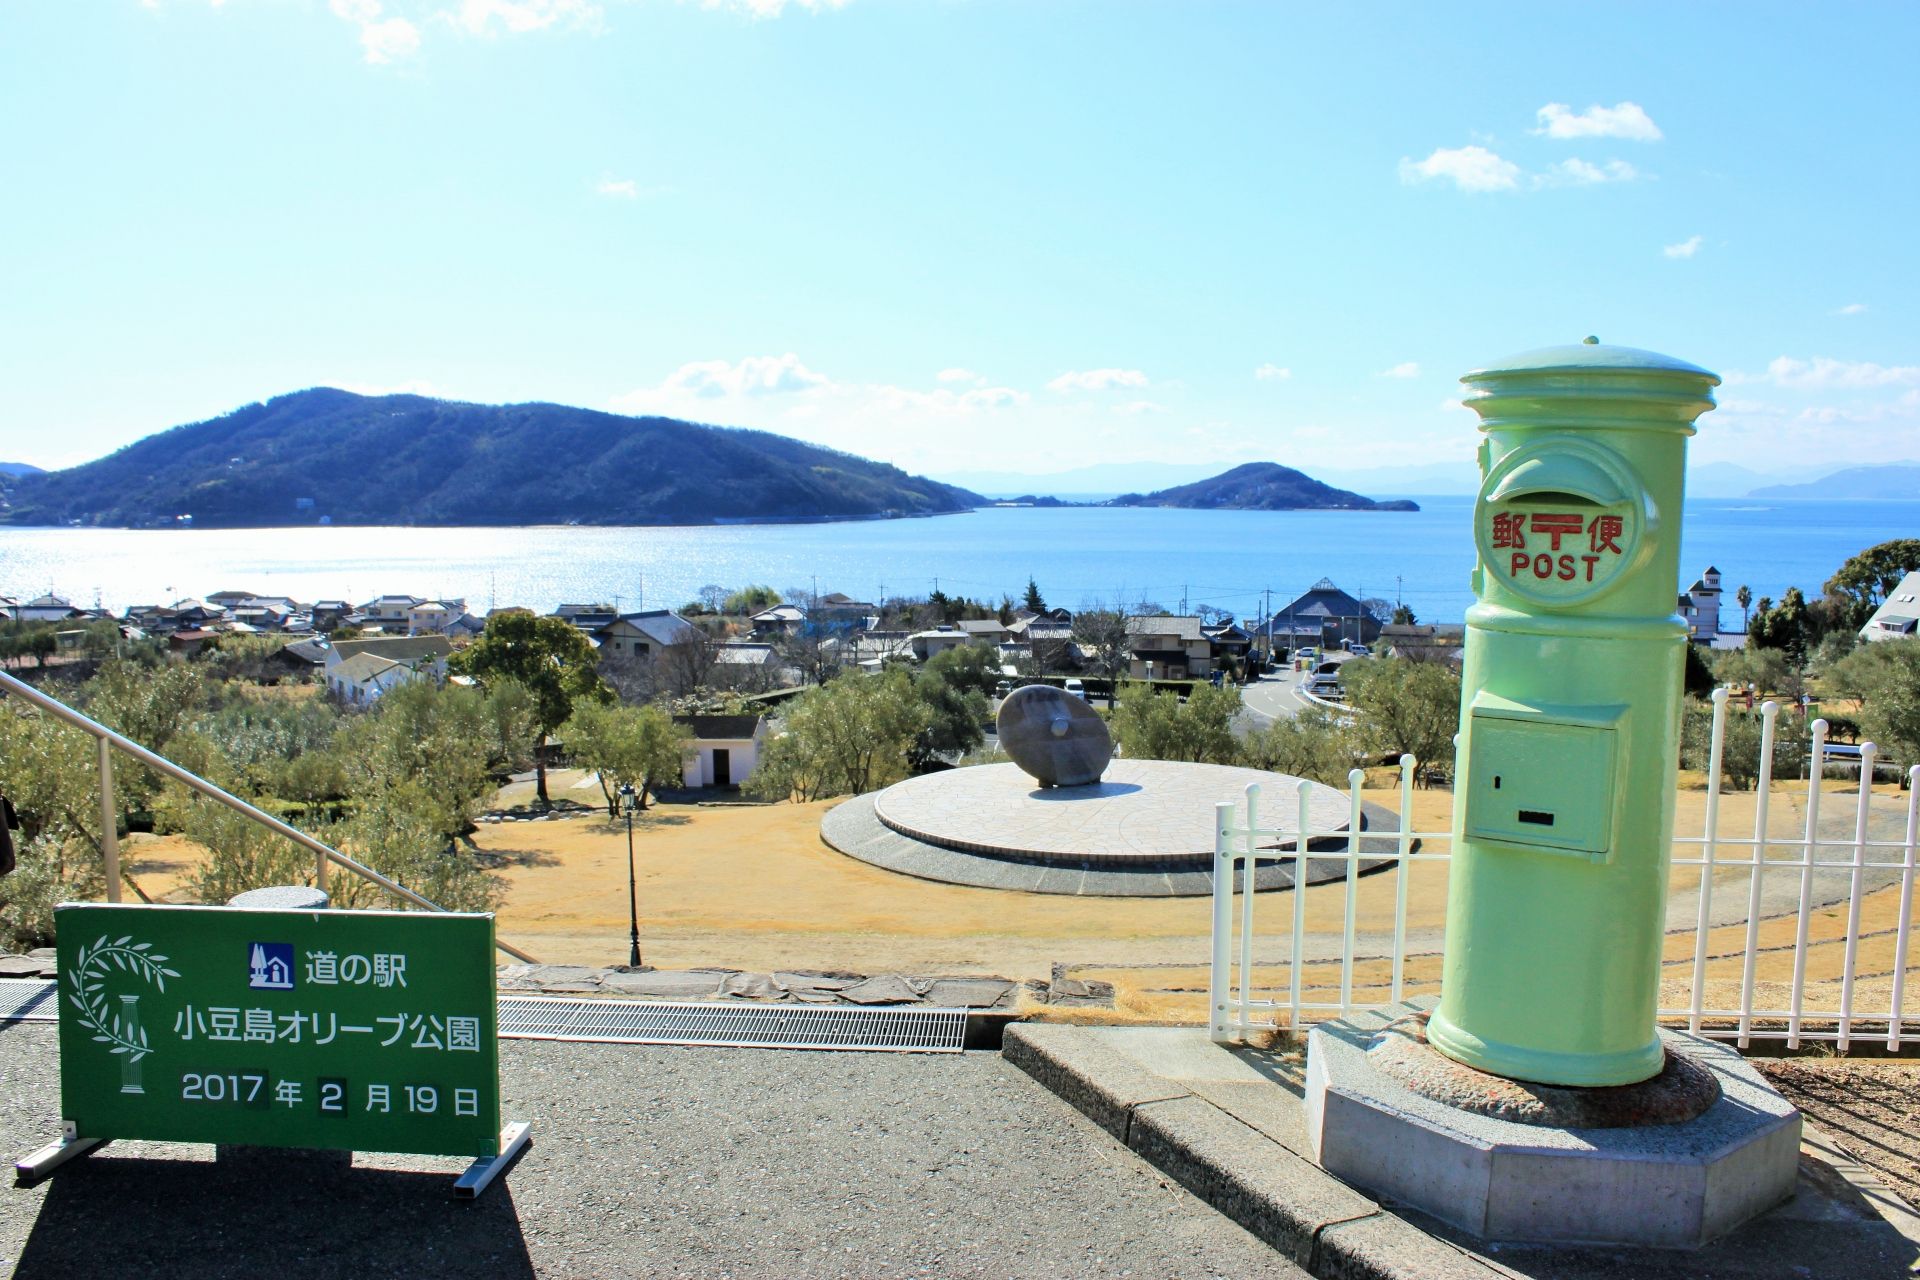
{"x": 481, "y": 1173}
{"x": 41, "y": 1164}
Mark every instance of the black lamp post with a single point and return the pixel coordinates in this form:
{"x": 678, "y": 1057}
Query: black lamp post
{"x": 627, "y": 799}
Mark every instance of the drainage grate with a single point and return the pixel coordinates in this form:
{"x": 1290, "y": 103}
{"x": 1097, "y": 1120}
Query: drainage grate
{"x": 758, "y": 1026}
{"x": 745, "y": 1025}
{"x": 29, "y": 1000}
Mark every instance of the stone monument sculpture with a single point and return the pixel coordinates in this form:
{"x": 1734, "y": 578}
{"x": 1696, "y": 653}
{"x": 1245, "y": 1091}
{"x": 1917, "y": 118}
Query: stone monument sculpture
{"x": 1055, "y": 736}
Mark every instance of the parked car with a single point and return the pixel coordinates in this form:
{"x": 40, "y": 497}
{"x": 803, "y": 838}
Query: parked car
{"x": 1358, "y": 650}
{"x": 1002, "y": 689}
{"x": 1076, "y": 686}
{"x": 1326, "y": 686}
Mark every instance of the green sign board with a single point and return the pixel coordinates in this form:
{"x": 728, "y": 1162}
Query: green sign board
{"x": 354, "y": 1030}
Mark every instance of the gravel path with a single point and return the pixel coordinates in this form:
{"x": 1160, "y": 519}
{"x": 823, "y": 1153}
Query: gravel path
{"x": 646, "y": 1162}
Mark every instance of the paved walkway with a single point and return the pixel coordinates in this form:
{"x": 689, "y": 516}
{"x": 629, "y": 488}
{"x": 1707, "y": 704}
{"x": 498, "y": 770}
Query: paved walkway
{"x": 646, "y": 1162}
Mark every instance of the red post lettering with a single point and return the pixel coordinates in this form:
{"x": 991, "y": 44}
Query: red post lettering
{"x": 1543, "y": 565}
{"x": 1591, "y": 561}
{"x": 1566, "y": 569}
{"x": 1520, "y": 559}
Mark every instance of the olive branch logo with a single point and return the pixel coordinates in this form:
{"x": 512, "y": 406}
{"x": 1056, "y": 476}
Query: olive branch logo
{"x": 86, "y": 990}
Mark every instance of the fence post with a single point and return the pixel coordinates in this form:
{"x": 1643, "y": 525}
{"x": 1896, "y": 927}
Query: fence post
{"x": 1817, "y": 766}
{"x": 1716, "y": 746}
{"x": 1220, "y": 977}
{"x": 1854, "y": 884}
{"x": 109, "y": 822}
{"x": 1904, "y": 928}
{"x": 1249, "y": 873}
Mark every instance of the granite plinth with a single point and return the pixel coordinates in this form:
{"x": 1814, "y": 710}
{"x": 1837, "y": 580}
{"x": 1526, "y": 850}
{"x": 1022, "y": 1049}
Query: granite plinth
{"x": 1681, "y": 1091}
{"x": 1672, "y": 1185}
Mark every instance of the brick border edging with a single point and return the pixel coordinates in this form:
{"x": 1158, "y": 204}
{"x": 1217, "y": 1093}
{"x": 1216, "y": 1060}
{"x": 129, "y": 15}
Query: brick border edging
{"x": 1299, "y": 1209}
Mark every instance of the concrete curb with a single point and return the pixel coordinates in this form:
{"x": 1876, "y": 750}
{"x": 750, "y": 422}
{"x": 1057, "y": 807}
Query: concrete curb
{"x": 1304, "y": 1212}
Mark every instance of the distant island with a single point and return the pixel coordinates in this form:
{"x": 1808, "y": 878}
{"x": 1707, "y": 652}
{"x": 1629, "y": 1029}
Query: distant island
{"x": 1893, "y": 481}
{"x": 1261, "y": 486}
{"x": 326, "y": 456}
{"x": 17, "y": 469}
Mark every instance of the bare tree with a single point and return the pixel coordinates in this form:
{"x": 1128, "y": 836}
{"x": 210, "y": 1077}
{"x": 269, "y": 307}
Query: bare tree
{"x": 686, "y": 664}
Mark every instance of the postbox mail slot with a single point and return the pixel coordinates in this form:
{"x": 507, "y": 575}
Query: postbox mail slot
{"x": 1539, "y": 782}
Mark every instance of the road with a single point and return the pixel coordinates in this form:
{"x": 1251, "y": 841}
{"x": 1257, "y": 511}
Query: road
{"x": 1274, "y": 697}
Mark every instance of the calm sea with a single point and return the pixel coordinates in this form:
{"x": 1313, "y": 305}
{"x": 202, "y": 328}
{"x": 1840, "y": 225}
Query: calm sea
{"x": 1077, "y": 555}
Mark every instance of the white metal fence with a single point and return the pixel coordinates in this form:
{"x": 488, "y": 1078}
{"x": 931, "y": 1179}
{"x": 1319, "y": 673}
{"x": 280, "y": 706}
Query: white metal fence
{"x": 1767, "y": 931}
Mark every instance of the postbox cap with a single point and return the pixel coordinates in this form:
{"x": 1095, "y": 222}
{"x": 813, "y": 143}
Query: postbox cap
{"x": 1591, "y": 358}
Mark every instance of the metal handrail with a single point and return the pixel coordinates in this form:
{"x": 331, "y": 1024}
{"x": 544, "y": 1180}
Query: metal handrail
{"x": 109, "y": 837}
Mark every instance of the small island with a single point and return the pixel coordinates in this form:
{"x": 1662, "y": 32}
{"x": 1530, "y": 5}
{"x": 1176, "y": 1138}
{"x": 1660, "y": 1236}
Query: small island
{"x": 1261, "y": 486}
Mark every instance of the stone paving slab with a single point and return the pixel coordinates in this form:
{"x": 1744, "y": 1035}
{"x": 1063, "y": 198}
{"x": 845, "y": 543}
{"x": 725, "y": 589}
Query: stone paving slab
{"x": 1226, "y": 1123}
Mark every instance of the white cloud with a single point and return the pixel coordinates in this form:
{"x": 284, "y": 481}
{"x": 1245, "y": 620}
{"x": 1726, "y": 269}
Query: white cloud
{"x": 772, "y": 8}
{"x": 1580, "y": 173}
{"x": 1822, "y": 373}
{"x": 1627, "y": 120}
{"x": 1685, "y": 249}
{"x": 1469, "y": 168}
{"x": 1272, "y": 373}
{"x": 753, "y": 376}
{"x": 618, "y": 188}
{"x": 960, "y": 375}
{"x": 382, "y": 40}
{"x": 1405, "y": 369}
{"x": 515, "y": 17}
{"x": 1852, "y": 309}
{"x": 1135, "y": 407}
{"x": 1098, "y": 380}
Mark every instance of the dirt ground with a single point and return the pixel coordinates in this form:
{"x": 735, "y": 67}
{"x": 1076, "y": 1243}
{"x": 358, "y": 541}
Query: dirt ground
{"x": 1870, "y": 1109}
{"x": 754, "y": 887}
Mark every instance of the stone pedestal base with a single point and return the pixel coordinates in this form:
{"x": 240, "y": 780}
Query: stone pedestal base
{"x": 1675, "y": 1183}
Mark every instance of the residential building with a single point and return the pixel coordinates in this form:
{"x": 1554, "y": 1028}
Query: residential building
{"x": 431, "y": 618}
{"x": 47, "y": 608}
{"x": 986, "y": 630}
{"x": 925, "y": 644}
{"x": 642, "y": 634}
{"x": 723, "y": 750}
{"x": 1423, "y": 642}
{"x": 330, "y": 615}
{"x": 389, "y": 613}
{"x": 838, "y": 611}
{"x": 1230, "y": 640}
{"x": 1898, "y": 614}
{"x": 590, "y": 618}
{"x": 782, "y": 619}
{"x": 1168, "y": 647}
{"x": 363, "y": 679}
{"x": 426, "y": 655}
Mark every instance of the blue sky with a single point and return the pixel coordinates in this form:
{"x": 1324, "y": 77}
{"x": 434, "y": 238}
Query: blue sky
{"x": 958, "y": 234}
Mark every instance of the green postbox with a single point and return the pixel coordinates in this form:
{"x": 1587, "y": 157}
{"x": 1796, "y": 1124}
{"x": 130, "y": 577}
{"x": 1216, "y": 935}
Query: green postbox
{"x": 1569, "y": 719}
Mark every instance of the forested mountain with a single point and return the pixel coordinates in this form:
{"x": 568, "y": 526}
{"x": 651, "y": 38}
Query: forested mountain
{"x": 19, "y": 469}
{"x": 332, "y": 455}
{"x": 1261, "y": 486}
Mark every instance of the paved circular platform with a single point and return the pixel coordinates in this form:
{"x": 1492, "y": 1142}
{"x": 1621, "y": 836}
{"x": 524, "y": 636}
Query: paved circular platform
{"x": 1142, "y": 812}
{"x": 1147, "y": 857}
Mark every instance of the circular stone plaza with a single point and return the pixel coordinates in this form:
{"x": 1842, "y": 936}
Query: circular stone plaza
{"x": 1144, "y": 829}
